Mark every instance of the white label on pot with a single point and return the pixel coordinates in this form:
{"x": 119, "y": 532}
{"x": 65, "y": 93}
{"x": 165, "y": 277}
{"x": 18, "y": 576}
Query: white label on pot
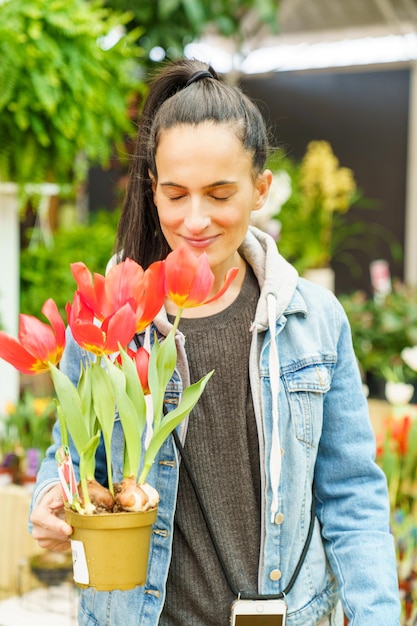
{"x": 79, "y": 562}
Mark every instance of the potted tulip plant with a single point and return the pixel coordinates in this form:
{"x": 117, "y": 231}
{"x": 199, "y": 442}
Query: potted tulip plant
{"x": 106, "y": 314}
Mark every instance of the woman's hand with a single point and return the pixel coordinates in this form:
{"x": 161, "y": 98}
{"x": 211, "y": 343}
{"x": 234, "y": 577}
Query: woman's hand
{"x": 49, "y": 527}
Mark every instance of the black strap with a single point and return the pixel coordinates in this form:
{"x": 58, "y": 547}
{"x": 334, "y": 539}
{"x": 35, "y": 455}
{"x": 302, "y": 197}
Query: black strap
{"x": 236, "y": 592}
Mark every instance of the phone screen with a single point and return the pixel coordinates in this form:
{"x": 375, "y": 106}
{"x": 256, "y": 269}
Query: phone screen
{"x": 259, "y": 620}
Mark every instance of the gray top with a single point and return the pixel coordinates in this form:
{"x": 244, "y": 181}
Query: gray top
{"x": 222, "y": 446}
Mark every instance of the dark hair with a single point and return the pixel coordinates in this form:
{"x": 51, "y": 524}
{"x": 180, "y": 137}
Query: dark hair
{"x": 171, "y": 102}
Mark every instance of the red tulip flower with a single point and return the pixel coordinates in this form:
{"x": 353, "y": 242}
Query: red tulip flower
{"x": 125, "y": 282}
{"x": 117, "y": 328}
{"x": 400, "y": 433}
{"x": 189, "y": 279}
{"x": 141, "y": 358}
{"x": 38, "y": 343}
{"x": 151, "y": 295}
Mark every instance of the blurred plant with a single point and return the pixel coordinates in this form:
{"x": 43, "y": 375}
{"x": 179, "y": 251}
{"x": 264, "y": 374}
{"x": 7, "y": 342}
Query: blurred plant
{"x": 397, "y": 456}
{"x": 28, "y": 424}
{"x": 313, "y": 229}
{"x": 381, "y": 331}
{"x": 68, "y": 71}
{"x": 312, "y": 223}
{"x": 169, "y": 25}
{"x": 26, "y": 433}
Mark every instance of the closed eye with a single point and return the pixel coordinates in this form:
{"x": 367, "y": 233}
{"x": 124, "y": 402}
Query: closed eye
{"x": 219, "y": 198}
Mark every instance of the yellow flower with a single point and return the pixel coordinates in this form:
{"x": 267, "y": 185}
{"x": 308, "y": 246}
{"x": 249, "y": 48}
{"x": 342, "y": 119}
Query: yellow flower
{"x": 40, "y": 405}
{"x": 10, "y": 408}
{"x": 323, "y": 181}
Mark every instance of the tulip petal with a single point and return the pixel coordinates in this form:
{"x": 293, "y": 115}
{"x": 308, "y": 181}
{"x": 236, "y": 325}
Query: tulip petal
{"x": 119, "y": 328}
{"x": 142, "y": 357}
{"x": 153, "y": 295}
{"x": 123, "y": 282}
{"x": 44, "y": 342}
{"x": 15, "y": 354}
{"x": 89, "y": 336}
{"x": 84, "y": 280}
{"x": 91, "y": 292}
{"x": 36, "y": 337}
{"x": 189, "y": 279}
{"x": 50, "y": 310}
{"x": 228, "y": 279}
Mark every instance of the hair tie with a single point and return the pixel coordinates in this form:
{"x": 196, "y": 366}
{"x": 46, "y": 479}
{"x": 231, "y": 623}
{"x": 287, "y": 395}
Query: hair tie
{"x": 197, "y": 76}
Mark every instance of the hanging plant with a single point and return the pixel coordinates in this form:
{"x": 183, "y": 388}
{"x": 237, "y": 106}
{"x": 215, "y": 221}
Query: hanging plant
{"x": 67, "y": 73}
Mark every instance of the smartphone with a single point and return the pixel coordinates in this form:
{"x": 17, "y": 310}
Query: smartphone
{"x": 258, "y": 613}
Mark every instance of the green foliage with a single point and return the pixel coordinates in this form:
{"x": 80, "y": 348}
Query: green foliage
{"x": 63, "y": 91}
{"x": 381, "y": 331}
{"x": 28, "y": 425}
{"x": 172, "y": 24}
{"x": 45, "y": 272}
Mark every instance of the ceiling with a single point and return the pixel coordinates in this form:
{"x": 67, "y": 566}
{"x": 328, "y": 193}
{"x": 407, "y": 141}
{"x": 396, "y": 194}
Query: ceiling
{"x": 312, "y": 16}
{"x": 388, "y": 29}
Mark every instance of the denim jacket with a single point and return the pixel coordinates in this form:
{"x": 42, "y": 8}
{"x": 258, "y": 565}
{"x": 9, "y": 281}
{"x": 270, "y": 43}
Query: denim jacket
{"x": 313, "y": 422}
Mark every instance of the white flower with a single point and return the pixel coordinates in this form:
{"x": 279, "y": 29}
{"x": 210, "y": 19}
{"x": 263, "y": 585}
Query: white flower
{"x": 398, "y": 393}
{"x": 409, "y": 356}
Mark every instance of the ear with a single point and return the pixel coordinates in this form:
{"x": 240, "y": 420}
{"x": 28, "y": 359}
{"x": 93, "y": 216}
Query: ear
{"x": 262, "y": 184}
{"x": 153, "y": 181}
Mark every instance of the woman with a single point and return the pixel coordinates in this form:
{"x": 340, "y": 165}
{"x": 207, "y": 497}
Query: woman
{"x": 284, "y": 409}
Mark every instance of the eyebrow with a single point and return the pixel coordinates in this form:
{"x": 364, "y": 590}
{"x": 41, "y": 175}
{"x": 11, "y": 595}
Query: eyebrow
{"x": 218, "y": 183}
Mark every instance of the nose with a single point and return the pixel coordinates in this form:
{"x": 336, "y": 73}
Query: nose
{"x": 196, "y": 219}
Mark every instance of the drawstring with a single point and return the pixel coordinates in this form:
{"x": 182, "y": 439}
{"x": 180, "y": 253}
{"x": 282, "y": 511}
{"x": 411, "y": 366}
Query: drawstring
{"x": 275, "y": 455}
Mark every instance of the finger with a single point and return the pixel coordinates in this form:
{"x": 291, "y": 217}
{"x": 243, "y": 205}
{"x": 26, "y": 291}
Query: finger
{"x": 47, "y": 523}
{"x": 55, "y": 545}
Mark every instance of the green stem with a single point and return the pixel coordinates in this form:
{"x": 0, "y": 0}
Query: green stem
{"x": 109, "y": 474}
{"x": 177, "y": 319}
{"x": 144, "y": 473}
{"x": 84, "y": 485}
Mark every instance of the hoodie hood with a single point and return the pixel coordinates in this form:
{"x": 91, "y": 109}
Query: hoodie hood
{"x": 275, "y": 275}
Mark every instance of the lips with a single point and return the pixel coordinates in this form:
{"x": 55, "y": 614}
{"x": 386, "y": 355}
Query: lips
{"x": 200, "y": 243}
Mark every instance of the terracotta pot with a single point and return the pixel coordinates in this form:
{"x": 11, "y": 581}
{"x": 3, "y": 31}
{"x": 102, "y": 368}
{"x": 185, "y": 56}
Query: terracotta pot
{"x": 110, "y": 551}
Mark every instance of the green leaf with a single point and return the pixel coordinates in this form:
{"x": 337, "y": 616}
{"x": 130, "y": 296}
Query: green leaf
{"x": 89, "y": 456}
{"x": 167, "y": 7}
{"x": 62, "y": 426}
{"x": 86, "y": 397}
{"x": 133, "y": 421}
{"x": 82, "y": 426}
{"x": 189, "y": 399}
{"x": 194, "y": 10}
{"x": 70, "y": 404}
{"x": 161, "y": 367}
{"x": 103, "y": 399}
{"x": 133, "y": 386}
{"x": 104, "y": 408}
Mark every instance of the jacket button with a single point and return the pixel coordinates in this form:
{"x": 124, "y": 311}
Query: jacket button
{"x": 275, "y": 574}
{"x": 279, "y": 518}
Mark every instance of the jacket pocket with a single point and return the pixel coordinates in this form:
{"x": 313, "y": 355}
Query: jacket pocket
{"x": 306, "y": 384}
